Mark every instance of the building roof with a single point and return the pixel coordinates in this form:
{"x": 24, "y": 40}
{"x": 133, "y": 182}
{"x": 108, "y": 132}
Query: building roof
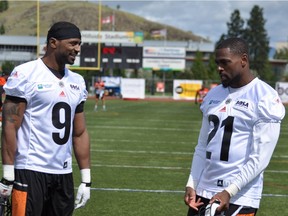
{"x": 21, "y": 40}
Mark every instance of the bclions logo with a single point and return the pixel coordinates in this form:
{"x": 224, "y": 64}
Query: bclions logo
{"x": 185, "y": 90}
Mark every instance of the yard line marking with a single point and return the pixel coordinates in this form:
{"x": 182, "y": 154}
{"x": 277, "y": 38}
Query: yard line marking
{"x": 144, "y": 152}
{"x": 140, "y": 141}
{"x": 139, "y": 167}
{"x": 167, "y": 168}
{"x": 166, "y": 191}
{"x": 159, "y": 152}
{"x": 141, "y": 128}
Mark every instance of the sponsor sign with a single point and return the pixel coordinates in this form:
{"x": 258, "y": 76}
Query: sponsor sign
{"x": 132, "y": 88}
{"x": 111, "y": 37}
{"x": 282, "y": 89}
{"x": 186, "y": 89}
{"x": 164, "y": 64}
{"x": 167, "y": 52}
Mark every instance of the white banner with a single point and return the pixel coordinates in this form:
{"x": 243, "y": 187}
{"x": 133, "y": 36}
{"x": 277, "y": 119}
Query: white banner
{"x": 282, "y": 89}
{"x": 164, "y": 64}
{"x": 132, "y": 88}
{"x": 167, "y": 52}
{"x": 186, "y": 89}
{"x": 111, "y": 37}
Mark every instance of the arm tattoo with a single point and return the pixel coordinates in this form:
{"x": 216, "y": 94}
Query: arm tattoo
{"x": 11, "y": 112}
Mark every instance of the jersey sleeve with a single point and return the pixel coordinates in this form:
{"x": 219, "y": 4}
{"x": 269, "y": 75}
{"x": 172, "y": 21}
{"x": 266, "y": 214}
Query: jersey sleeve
{"x": 266, "y": 132}
{"x": 264, "y": 142}
{"x": 84, "y": 93}
{"x": 198, "y": 161}
{"x": 271, "y": 109}
{"x": 16, "y": 85}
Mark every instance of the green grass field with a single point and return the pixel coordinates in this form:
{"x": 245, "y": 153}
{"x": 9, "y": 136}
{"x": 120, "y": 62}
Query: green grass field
{"x": 141, "y": 155}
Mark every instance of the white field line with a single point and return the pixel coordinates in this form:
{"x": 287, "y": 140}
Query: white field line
{"x": 138, "y": 141}
{"x": 139, "y": 128}
{"x": 161, "y": 152}
{"x": 165, "y": 191}
{"x": 168, "y": 168}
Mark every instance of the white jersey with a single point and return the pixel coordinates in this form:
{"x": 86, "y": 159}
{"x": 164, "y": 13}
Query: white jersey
{"x": 44, "y": 141}
{"x": 239, "y": 132}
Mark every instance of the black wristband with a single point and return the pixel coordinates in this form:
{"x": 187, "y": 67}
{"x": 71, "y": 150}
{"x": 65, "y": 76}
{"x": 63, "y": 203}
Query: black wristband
{"x": 87, "y": 184}
{"x": 6, "y": 182}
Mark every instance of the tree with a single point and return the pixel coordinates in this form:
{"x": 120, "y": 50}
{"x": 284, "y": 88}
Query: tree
{"x": 235, "y": 26}
{"x": 7, "y": 67}
{"x": 281, "y": 54}
{"x": 2, "y": 29}
{"x": 256, "y": 36}
{"x": 198, "y": 68}
{"x": 3, "y": 5}
{"x": 212, "y": 69}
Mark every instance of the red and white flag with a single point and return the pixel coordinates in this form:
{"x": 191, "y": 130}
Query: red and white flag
{"x": 107, "y": 20}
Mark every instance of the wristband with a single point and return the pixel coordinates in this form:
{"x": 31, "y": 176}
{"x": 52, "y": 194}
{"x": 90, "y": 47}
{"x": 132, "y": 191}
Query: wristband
{"x": 87, "y": 184}
{"x": 6, "y": 182}
{"x": 8, "y": 172}
{"x": 85, "y": 175}
{"x": 232, "y": 189}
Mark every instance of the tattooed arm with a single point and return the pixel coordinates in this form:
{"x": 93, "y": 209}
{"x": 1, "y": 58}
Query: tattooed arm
{"x": 12, "y": 115}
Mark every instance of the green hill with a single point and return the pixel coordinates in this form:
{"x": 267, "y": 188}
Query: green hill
{"x": 21, "y": 19}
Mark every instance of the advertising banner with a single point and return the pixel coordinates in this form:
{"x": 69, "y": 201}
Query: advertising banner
{"x": 111, "y": 37}
{"x": 132, "y": 88}
{"x": 186, "y": 89}
{"x": 282, "y": 89}
{"x": 167, "y": 52}
{"x": 164, "y": 64}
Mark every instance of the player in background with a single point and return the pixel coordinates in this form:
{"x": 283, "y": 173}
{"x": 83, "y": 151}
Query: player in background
{"x": 99, "y": 87}
{"x": 200, "y": 94}
{"x": 239, "y": 132}
{"x": 43, "y": 123}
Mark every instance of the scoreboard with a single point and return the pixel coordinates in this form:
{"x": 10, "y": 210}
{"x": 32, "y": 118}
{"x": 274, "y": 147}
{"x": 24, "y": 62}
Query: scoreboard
{"x": 121, "y": 57}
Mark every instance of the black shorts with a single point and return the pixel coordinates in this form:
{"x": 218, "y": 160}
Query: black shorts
{"x": 36, "y": 193}
{"x": 247, "y": 211}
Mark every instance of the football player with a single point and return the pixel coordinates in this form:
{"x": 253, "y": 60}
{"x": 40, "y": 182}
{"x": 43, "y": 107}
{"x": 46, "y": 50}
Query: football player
{"x": 240, "y": 129}
{"x": 43, "y": 121}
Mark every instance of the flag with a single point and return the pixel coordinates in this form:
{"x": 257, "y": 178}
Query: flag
{"x": 159, "y": 33}
{"x": 107, "y": 20}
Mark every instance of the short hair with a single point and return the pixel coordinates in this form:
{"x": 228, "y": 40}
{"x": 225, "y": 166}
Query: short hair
{"x": 237, "y": 46}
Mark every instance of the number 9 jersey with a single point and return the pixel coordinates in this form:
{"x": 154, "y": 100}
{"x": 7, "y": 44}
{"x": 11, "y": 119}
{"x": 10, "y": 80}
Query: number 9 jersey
{"x": 239, "y": 132}
{"x": 44, "y": 140}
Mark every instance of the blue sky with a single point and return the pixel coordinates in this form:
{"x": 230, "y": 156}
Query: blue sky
{"x": 208, "y": 18}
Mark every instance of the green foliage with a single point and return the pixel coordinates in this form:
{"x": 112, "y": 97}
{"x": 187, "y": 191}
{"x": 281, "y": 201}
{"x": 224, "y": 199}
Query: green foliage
{"x": 236, "y": 25}
{"x": 4, "y": 5}
{"x": 212, "y": 69}
{"x": 281, "y": 54}
{"x": 198, "y": 68}
{"x": 7, "y": 67}
{"x": 256, "y": 36}
{"x": 2, "y": 29}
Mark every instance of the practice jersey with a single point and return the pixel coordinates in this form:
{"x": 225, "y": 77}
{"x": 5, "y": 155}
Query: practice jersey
{"x": 44, "y": 140}
{"x": 99, "y": 87}
{"x": 231, "y": 148}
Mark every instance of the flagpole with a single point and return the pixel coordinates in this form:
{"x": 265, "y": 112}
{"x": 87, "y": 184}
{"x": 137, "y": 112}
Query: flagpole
{"x": 38, "y": 28}
{"x": 113, "y": 21}
{"x": 99, "y": 39}
{"x": 165, "y": 37}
